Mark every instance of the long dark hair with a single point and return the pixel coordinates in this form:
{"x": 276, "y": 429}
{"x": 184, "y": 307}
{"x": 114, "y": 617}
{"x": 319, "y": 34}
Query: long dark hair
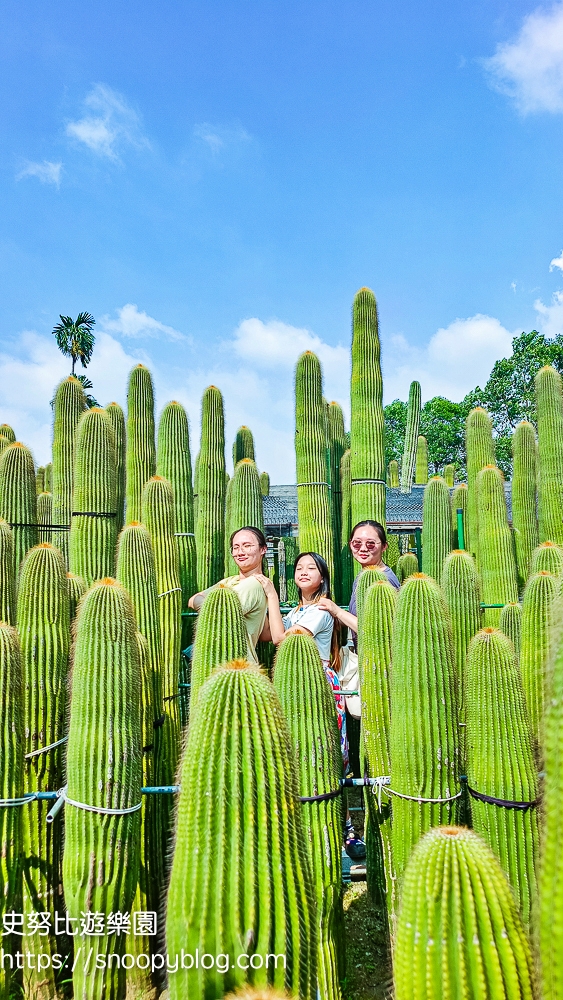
{"x": 373, "y": 524}
{"x": 323, "y": 591}
{"x": 259, "y": 535}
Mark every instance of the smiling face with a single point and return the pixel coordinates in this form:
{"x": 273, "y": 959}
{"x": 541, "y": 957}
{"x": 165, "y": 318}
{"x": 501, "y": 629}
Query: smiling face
{"x": 307, "y": 575}
{"x": 247, "y": 551}
{"x": 367, "y": 546}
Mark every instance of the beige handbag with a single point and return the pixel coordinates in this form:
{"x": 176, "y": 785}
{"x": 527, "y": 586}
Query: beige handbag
{"x": 349, "y": 678}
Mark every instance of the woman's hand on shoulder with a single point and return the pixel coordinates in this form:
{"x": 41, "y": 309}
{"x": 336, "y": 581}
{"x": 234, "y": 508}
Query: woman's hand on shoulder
{"x": 266, "y": 584}
{"x": 325, "y": 604}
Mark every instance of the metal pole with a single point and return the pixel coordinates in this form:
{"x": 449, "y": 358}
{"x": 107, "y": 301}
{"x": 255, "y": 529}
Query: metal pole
{"x": 460, "y": 530}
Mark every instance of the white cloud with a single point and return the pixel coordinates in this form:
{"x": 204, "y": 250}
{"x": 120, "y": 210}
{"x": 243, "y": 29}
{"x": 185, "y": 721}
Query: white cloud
{"x": 47, "y": 172}
{"x": 133, "y": 323}
{"x": 218, "y": 137}
{"x": 550, "y": 318}
{"x": 557, "y": 262}
{"x": 529, "y": 69}
{"x": 112, "y": 125}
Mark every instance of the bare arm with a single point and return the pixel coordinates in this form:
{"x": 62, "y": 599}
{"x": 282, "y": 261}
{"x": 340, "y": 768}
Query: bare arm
{"x": 345, "y": 617}
{"x": 274, "y": 623}
{"x": 196, "y": 601}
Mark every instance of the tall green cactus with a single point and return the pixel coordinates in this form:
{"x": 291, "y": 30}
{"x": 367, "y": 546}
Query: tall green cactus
{"x": 8, "y": 432}
{"x": 459, "y": 933}
{"x": 524, "y": 479}
{"x": 421, "y": 468}
{"x": 45, "y": 515}
{"x": 497, "y": 720}
{"x": 11, "y": 785}
{"x": 69, "y": 403}
{"x": 336, "y": 444}
{"x": 40, "y": 480}
{"x": 308, "y": 705}
{"x": 7, "y": 575}
{"x": 246, "y": 497}
{"x": 220, "y": 636}
{"x": 436, "y": 527}
{"x": 459, "y": 502}
{"x": 367, "y": 458}
{"x": 511, "y": 624}
{"x": 230, "y": 565}
{"x": 18, "y": 499}
{"x": 43, "y": 624}
{"x": 140, "y": 457}
{"x": 346, "y": 559}
{"x": 449, "y": 475}
{"x": 93, "y": 530}
{"x": 76, "y": 591}
{"x": 313, "y": 502}
{"x": 49, "y": 477}
{"x": 549, "y": 405}
{"x": 116, "y": 418}
{"x": 105, "y": 718}
{"x": 462, "y": 590}
{"x": 423, "y": 733}
{"x": 173, "y": 462}
{"x": 393, "y": 474}
{"x": 408, "y": 464}
{"x": 4, "y": 442}
{"x": 496, "y": 562}
{"x": 480, "y": 449}
{"x": 253, "y": 849}
{"x": 548, "y": 557}
{"x": 290, "y": 553}
{"x": 407, "y": 564}
{"x": 210, "y": 526}
{"x": 537, "y": 606}
{"x": 243, "y": 445}
{"x": 265, "y": 484}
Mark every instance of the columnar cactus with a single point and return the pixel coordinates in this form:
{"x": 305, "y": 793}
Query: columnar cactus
{"x": 336, "y": 443}
{"x": 511, "y": 624}
{"x": 524, "y": 479}
{"x": 421, "y": 468}
{"x": 238, "y": 751}
{"x": 105, "y": 718}
{"x": 480, "y": 449}
{"x": 497, "y": 718}
{"x": 45, "y": 515}
{"x": 346, "y": 560}
{"x": 18, "y": 499}
{"x": 210, "y": 525}
{"x": 196, "y": 489}
{"x": 290, "y": 552}
{"x": 40, "y": 479}
{"x": 393, "y": 474}
{"x": 173, "y": 462}
{"x": 436, "y": 527}
{"x": 459, "y": 932}
{"x": 220, "y": 636}
{"x": 367, "y": 421}
{"x": 76, "y": 590}
{"x": 265, "y": 484}
{"x": 313, "y": 502}
{"x": 459, "y": 502}
{"x": 116, "y": 418}
{"x": 408, "y": 464}
{"x": 375, "y": 674}
{"x": 537, "y": 605}
{"x": 461, "y": 587}
{"x": 246, "y": 499}
{"x": 549, "y": 405}
{"x": 424, "y": 732}
{"x": 308, "y": 705}
{"x": 7, "y": 575}
{"x": 69, "y": 403}
{"x": 449, "y": 476}
{"x": 230, "y": 565}
{"x": 11, "y": 784}
{"x": 140, "y": 457}
{"x": 49, "y": 477}
{"x": 8, "y": 432}
{"x": 407, "y": 564}
{"x": 243, "y": 445}
{"x": 548, "y": 557}
{"x": 496, "y": 562}
{"x": 4, "y": 442}
{"x": 93, "y": 530}
{"x": 43, "y": 624}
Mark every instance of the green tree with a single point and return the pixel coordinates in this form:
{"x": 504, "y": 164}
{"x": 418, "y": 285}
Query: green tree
{"x": 442, "y": 424}
{"x": 75, "y": 338}
{"x": 395, "y": 415}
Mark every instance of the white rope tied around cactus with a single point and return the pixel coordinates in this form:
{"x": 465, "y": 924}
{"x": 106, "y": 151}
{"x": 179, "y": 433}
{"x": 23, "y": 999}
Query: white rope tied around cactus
{"x": 63, "y": 798}
{"x": 22, "y": 801}
{"x": 172, "y": 591}
{"x": 184, "y": 534}
{"x": 419, "y": 798}
{"x": 35, "y": 753}
{"x": 313, "y": 484}
{"x": 356, "y": 482}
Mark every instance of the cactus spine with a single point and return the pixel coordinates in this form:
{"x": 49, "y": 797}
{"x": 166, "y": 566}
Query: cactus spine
{"x": 243, "y": 446}
{"x": 70, "y": 402}
{"x": 408, "y": 464}
{"x": 496, "y": 561}
{"x": 497, "y": 718}
{"x": 40, "y": 480}
{"x": 346, "y": 560}
{"x": 174, "y": 463}
{"x": 367, "y": 458}
{"x": 511, "y": 625}
{"x": 449, "y": 476}
{"x": 7, "y": 575}
{"x": 436, "y": 527}
{"x": 537, "y": 604}
{"x": 423, "y": 733}
{"x": 140, "y": 458}
{"x": 12, "y": 783}
{"x": 238, "y": 747}
{"x": 548, "y": 557}
{"x": 220, "y": 636}
{"x": 407, "y": 564}
{"x": 313, "y": 502}
{"x": 421, "y": 469}
{"x": 116, "y": 418}
{"x": 459, "y": 502}
{"x": 210, "y": 528}
{"x": 43, "y": 624}
{"x": 93, "y": 530}
{"x": 309, "y": 708}
{"x": 524, "y": 477}
{"x": 45, "y": 515}
{"x": 549, "y": 404}
{"x": 459, "y": 932}
{"x": 480, "y": 449}
{"x": 336, "y": 443}
{"x": 393, "y": 474}
{"x": 105, "y": 718}
{"x": 18, "y": 499}
{"x": 76, "y": 590}
{"x": 265, "y": 484}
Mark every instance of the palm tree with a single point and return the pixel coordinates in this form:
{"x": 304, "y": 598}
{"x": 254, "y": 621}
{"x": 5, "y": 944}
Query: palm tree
{"x": 75, "y": 338}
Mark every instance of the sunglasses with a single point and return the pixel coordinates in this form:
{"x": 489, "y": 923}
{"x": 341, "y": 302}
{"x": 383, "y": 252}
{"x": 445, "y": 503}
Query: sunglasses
{"x": 358, "y": 544}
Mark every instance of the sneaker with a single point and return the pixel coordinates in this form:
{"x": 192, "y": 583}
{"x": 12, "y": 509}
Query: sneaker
{"x": 355, "y": 848}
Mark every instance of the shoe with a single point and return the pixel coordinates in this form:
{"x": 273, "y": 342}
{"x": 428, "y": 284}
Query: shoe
{"x": 355, "y": 848}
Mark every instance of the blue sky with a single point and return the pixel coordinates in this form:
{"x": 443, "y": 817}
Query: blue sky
{"x": 214, "y": 182}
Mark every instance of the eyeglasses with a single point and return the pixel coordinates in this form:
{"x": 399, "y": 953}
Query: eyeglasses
{"x": 358, "y": 544}
{"x": 245, "y": 547}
